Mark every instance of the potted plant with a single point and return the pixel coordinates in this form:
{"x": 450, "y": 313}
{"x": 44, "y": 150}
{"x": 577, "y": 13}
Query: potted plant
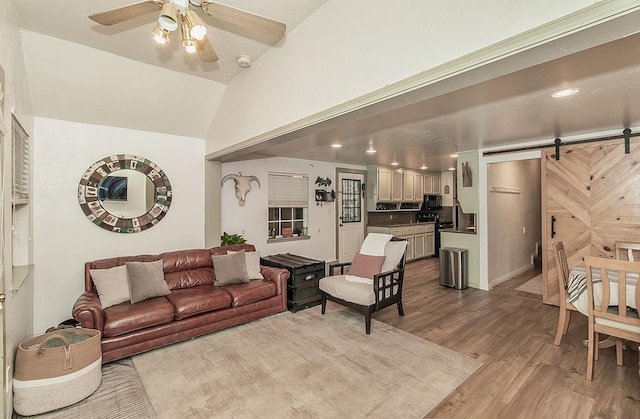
{"x": 229, "y": 239}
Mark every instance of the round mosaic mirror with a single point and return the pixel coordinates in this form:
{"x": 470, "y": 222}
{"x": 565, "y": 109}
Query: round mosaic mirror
{"x": 112, "y": 193}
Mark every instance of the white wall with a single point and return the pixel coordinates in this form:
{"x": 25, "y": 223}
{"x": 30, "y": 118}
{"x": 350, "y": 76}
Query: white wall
{"x": 18, "y": 307}
{"x": 514, "y": 224}
{"x": 252, "y": 219}
{"x": 349, "y": 48}
{"x": 64, "y": 238}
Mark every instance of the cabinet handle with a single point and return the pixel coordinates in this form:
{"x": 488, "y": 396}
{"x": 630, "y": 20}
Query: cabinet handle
{"x": 309, "y": 276}
{"x": 553, "y": 226}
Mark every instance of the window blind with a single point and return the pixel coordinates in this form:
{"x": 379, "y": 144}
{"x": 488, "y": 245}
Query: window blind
{"x": 288, "y": 190}
{"x": 20, "y": 152}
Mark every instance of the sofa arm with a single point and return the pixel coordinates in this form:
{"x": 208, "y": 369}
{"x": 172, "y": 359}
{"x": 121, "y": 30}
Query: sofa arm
{"x": 278, "y": 275}
{"x": 88, "y": 311}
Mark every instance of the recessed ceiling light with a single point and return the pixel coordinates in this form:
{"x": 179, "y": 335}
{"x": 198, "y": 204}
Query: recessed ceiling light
{"x": 565, "y": 93}
{"x": 336, "y": 145}
{"x": 452, "y": 168}
{"x": 454, "y": 155}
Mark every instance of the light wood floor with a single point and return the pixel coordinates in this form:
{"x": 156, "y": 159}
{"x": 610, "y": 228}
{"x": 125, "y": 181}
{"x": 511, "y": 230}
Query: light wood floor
{"x": 524, "y": 375}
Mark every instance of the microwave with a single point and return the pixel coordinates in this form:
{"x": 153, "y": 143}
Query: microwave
{"x": 432, "y": 202}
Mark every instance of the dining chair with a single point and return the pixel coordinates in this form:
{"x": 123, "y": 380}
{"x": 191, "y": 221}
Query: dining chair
{"x": 563, "y": 279}
{"x": 612, "y": 302}
{"x": 624, "y": 250}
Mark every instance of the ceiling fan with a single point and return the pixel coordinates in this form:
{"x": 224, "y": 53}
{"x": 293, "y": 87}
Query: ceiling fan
{"x": 177, "y": 14}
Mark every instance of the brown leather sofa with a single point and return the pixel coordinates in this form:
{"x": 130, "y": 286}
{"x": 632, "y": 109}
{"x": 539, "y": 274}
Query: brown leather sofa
{"x": 194, "y": 307}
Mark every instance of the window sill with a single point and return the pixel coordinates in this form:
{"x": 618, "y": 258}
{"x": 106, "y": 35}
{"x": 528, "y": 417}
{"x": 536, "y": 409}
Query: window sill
{"x": 287, "y": 239}
{"x": 18, "y": 275}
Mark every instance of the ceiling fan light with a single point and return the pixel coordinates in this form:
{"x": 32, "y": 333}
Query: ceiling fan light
{"x": 189, "y": 44}
{"x": 169, "y": 17}
{"x": 160, "y": 35}
{"x": 195, "y": 25}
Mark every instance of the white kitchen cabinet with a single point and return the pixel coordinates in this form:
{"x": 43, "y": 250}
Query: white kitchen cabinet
{"x": 407, "y": 187}
{"x": 428, "y": 184}
{"x": 396, "y": 186}
{"x": 384, "y": 184}
{"x": 418, "y": 187}
{"x": 420, "y": 237}
{"x": 435, "y": 184}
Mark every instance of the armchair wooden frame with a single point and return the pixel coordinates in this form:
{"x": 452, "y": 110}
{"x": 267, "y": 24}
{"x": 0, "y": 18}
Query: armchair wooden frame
{"x": 563, "y": 280}
{"x": 621, "y": 321}
{"x": 621, "y": 246}
{"x": 387, "y": 288}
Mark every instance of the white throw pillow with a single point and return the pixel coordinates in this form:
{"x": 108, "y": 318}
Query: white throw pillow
{"x": 252, "y": 260}
{"x": 112, "y": 285}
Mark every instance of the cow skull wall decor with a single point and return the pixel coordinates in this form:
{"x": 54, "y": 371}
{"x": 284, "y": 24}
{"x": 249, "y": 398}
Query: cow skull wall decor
{"x": 242, "y": 185}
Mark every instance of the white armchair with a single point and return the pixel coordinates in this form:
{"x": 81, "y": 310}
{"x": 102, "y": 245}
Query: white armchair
{"x": 368, "y": 295}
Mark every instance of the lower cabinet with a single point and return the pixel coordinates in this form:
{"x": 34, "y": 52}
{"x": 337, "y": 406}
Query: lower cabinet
{"x": 420, "y": 238}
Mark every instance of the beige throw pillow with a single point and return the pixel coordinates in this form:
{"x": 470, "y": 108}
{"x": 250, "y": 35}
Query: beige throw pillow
{"x": 146, "y": 280}
{"x": 230, "y": 269}
{"x": 112, "y": 285}
{"x": 252, "y": 260}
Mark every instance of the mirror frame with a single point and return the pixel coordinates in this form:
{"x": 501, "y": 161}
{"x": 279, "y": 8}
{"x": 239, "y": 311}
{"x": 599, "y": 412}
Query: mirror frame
{"x": 95, "y": 212}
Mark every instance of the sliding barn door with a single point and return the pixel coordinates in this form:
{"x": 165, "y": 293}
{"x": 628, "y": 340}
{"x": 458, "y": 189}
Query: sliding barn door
{"x": 591, "y": 199}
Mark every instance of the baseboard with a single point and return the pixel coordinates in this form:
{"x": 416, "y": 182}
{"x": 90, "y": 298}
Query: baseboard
{"x": 499, "y": 280}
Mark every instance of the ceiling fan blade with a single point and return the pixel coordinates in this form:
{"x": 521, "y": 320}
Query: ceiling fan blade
{"x": 206, "y": 52}
{"x": 121, "y": 14}
{"x": 243, "y": 18}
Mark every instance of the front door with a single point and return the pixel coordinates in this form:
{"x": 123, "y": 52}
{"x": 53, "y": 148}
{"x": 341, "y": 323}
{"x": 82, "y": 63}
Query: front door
{"x": 350, "y": 207}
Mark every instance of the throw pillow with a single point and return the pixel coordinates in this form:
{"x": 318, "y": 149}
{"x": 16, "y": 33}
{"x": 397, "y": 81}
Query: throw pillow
{"x": 230, "y": 269}
{"x": 112, "y": 285}
{"x": 252, "y": 260}
{"x": 146, "y": 280}
{"x": 366, "y": 266}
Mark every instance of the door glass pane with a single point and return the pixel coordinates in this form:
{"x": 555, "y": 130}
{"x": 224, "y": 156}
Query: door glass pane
{"x": 351, "y": 200}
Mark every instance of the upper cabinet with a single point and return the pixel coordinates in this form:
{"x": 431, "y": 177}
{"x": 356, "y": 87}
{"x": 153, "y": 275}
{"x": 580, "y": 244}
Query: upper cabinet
{"x": 387, "y": 187}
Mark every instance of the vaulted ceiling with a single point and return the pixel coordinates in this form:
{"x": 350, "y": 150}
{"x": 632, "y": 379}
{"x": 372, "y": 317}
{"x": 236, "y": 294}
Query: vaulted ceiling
{"x": 501, "y": 103}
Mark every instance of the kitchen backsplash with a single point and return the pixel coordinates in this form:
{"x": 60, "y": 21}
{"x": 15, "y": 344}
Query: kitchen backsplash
{"x": 404, "y": 217}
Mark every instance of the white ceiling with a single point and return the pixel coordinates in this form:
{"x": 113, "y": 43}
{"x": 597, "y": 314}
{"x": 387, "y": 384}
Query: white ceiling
{"x": 502, "y": 107}
{"x": 68, "y": 20}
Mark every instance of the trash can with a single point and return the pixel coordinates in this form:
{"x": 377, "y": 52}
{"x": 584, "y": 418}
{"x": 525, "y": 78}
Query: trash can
{"x": 454, "y": 267}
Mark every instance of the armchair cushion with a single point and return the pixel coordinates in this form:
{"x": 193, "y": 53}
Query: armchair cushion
{"x": 356, "y": 292}
{"x": 366, "y": 266}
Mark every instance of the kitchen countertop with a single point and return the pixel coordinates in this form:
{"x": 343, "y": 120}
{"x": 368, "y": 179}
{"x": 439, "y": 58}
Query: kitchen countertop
{"x": 453, "y": 230}
{"x": 401, "y": 224}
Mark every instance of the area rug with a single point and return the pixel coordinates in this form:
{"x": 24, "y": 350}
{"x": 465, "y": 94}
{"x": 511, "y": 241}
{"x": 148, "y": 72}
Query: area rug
{"x": 302, "y": 365}
{"x": 533, "y": 286}
{"x": 120, "y": 395}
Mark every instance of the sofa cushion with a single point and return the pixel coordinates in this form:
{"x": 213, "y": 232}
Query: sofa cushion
{"x": 230, "y": 269}
{"x": 124, "y": 318}
{"x": 191, "y": 301}
{"x": 146, "y": 280}
{"x": 112, "y": 285}
{"x": 252, "y": 260}
{"x": 243, "y": 294}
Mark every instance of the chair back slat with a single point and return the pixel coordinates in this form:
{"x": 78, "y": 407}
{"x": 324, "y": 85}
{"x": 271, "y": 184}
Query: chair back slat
{"x": 612, "y": 270}
{"x": 562, "y": 265}
{"x": 626, "y": 248}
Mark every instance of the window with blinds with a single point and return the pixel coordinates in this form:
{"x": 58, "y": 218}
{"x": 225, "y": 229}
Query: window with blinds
{"x": 21, "y": 170}
{"x": 288, "y": 205}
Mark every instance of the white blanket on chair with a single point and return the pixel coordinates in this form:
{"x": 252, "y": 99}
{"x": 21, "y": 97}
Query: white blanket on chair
{"x": 374, "y": 244}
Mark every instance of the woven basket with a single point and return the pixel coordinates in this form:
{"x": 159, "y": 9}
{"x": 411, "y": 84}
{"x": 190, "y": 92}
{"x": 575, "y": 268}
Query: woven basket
{"x": 56, "y": 370}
